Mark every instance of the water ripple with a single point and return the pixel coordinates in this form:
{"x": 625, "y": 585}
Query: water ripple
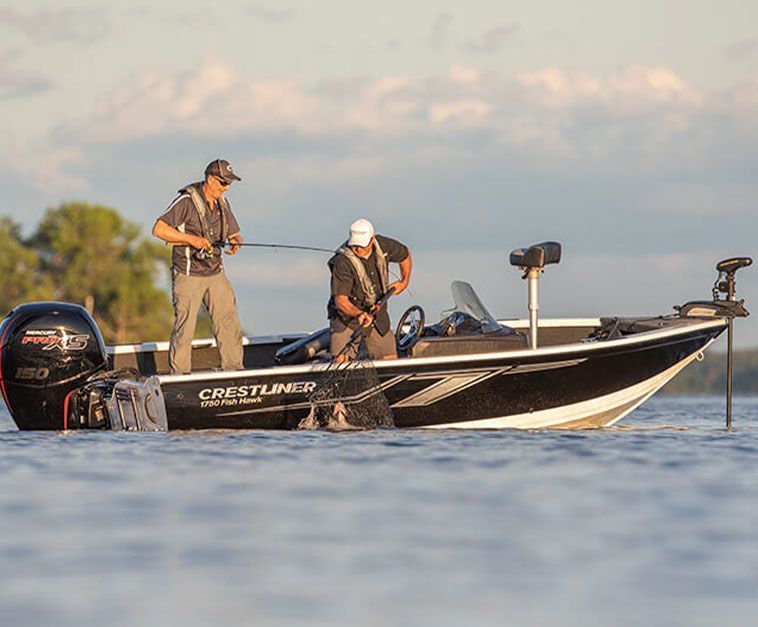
{"x": 651, "y": 522}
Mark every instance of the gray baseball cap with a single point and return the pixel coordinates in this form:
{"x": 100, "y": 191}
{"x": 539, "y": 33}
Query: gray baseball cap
{"x": 221, "y": 169}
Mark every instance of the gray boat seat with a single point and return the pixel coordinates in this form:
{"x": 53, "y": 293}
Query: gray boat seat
{"x": 462, "y": 334}
{"x": 467, "y": 344}
{"x": 536, "y": 255}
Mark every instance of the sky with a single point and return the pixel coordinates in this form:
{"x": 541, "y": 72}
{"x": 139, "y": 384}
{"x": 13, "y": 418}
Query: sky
{"x": 628, "y": 132}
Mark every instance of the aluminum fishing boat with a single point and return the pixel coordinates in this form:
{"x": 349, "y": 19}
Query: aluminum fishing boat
{"x": 465, "y": 371}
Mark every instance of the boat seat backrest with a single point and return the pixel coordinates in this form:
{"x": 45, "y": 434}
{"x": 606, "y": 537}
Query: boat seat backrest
{"x": 300, "y": 351}
{"x": 466, "y": 344}
{"x": 536, "y": 255}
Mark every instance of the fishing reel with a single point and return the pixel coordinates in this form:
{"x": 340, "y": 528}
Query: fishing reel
{"x": 207, "y": 253}
{"x": 204, "y": 253}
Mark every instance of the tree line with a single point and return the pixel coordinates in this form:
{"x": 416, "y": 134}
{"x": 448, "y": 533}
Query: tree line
{"x": 90, "y": 255}
{"x": 709, "y": 376}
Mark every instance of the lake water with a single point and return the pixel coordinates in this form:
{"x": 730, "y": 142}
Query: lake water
{"x": 653, "y": 524}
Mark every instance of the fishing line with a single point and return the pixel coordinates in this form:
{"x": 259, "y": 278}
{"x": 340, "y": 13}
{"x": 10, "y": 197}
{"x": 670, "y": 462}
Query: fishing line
{"x": 392, "y": 273}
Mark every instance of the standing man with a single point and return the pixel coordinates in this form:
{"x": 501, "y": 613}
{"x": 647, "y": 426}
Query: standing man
{"x": 360, "y": 271}
{"x": 198, "y": 223}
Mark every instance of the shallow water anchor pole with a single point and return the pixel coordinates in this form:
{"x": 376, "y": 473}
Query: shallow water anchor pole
{"x": 729, "y": 359}
{"x": 534, "y": 305}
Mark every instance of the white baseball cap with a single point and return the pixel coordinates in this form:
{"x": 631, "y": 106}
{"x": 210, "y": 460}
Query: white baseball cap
{"x": 361, "y": 232}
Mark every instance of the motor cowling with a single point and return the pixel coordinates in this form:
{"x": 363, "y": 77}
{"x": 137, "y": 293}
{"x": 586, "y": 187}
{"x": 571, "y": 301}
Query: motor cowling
{"x": 48, "y": 350}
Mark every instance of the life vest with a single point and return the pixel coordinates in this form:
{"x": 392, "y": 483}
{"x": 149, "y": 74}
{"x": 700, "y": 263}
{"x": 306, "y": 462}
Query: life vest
{"x": 370, "y": 294}
{"x": 195, "y": 192}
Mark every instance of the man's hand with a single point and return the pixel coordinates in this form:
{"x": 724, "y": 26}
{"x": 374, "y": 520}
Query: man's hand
{"x": 199, "y": 242}
{"x": 399, "y": 286}
{"x": 234, "y": 244}
{"x": 365, "y": 319}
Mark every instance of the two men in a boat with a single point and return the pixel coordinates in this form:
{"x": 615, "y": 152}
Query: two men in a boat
{"x": 199, "y": 223}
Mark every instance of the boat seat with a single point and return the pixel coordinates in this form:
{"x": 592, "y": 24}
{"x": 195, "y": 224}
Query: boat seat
{"x": 431, "y": 346}
{"x": 536, "y": 255}
{"x": 300, "y": 351}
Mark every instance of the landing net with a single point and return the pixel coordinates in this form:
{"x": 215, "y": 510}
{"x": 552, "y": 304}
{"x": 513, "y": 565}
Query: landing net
{"x": 349, "y": 396}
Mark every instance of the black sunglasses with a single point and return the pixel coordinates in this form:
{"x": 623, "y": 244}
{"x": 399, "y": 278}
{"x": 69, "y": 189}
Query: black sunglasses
{"x": 223, "y": 182}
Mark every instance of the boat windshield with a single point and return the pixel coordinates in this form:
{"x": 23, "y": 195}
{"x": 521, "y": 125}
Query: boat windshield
{"x": 467, "y": 301}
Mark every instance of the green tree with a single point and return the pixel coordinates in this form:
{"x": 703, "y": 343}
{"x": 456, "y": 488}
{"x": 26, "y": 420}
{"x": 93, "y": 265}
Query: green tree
{"x": 96, "y": 258}
{"x": 23, "y": 280}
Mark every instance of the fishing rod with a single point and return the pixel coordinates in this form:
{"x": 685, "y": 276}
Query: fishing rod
{"x": 287, "y": 246}
{"x": 203, "y": 253}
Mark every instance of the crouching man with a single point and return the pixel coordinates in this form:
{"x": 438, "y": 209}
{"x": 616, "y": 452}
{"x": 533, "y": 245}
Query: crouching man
{"x": 360, "y": 278}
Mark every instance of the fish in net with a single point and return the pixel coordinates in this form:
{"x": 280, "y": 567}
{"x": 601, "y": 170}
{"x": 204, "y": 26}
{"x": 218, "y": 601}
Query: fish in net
{"x": 349, "y": 397}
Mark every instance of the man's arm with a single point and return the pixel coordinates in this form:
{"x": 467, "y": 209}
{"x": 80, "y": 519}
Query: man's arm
{"x": 170, "y": 235}
{"x": 406, "y": 265}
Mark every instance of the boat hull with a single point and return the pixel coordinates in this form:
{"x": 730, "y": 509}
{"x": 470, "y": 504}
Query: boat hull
{"x": 576, "y": 386}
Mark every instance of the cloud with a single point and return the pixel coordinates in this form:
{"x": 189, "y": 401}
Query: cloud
{"x": 462, "y": 74}
{"x": 743, "y": 98}
{"x": 492, "y": 40}
{"x": 61, "y": 25}
{"x": 18, "y": 83}
{"x": 461, "y": 111}
{"x": 742, "y": 50}
{"x": 269, "y": 15}
{"x": 51, "y": 174}
{"x": 627, "y": 90}
{"x": 440, "y": 35}
{"x": 542, "y": 107}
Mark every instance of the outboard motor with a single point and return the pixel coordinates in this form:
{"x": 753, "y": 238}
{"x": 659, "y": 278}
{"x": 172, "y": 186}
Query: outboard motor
{"x": 48, "y": 350}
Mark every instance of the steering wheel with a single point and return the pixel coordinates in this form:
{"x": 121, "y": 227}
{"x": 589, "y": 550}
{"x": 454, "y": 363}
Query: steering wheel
{"x": 414, "y": 318}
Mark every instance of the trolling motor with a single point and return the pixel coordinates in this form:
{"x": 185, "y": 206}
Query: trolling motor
{"x": 728, "y": 307}
{"x": 532, "y": 261}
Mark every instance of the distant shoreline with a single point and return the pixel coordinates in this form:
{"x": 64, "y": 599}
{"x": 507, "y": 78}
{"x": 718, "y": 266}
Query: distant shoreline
{"x": 708, "y": 377}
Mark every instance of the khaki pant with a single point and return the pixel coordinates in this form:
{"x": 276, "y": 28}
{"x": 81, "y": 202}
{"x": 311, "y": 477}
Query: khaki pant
{"x": 218, "y": 296}
{"x": 378, "y": 346}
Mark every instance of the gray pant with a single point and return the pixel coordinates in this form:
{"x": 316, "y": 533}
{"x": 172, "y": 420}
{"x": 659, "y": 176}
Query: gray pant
{"x": 378, "y": 346}
{"x": 218, "y": 296}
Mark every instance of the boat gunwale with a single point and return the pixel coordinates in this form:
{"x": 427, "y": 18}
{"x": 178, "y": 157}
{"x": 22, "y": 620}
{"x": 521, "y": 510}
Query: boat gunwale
{"x": 689, "y": 325}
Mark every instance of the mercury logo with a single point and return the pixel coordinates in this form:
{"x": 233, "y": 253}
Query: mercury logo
{"x": 50, "y": 339}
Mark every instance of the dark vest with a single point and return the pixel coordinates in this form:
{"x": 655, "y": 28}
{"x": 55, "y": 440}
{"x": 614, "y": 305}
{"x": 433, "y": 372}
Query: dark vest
{"x": 370, "y": 295}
